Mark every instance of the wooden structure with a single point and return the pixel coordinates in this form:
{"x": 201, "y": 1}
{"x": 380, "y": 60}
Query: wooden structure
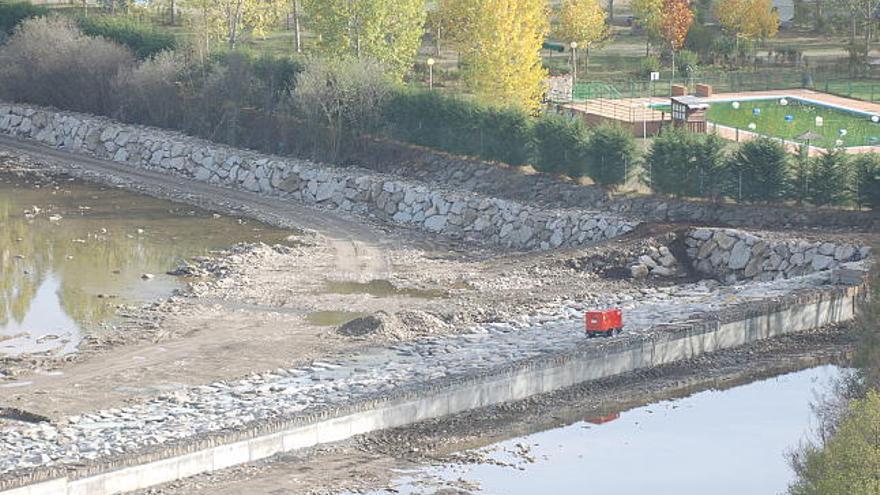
{"x": 689, "y": 112}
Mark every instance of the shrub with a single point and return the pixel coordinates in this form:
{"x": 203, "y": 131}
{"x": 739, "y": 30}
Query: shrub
{"x": 12, "y": 13}
{"x": 610, "y": 154}
{"x": 277, "y": 80}
{"x": 649, "y": 65}
{"x": 342, "y": 98}
{"x": 144, "y": 40}
{"x": 217, "y": 97}
{"x": 48, "y": 61}
{"x": 867, "y": 180}
{"x": 687, "y": 164}
{"x": 460, "y": 126}
{"x": 829, "y": 179}
{"x": 148, "y": 93}
{"x": 759, "y": 170}
{"x": 687, "y": 61}
{"x": 560, "y": 144}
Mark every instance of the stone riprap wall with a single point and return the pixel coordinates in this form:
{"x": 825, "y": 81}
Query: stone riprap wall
{"x": 733, "y": 255}
{"x": 656, "y": 262}
{"x": 402, "y": 405}
{"x": 452, "y": 214}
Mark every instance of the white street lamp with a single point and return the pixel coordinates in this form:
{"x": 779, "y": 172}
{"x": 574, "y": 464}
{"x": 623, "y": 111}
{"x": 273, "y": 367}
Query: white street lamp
{"x": 430, "y": 63}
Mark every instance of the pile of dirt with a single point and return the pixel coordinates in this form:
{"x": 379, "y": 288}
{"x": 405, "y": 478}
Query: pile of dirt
{"x": 398, "y": 326}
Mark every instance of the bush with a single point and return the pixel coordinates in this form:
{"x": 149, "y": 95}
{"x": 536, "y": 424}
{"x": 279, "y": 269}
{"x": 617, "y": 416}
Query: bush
{"x": 144, "y": 40}
{"x": 648, "y": 65}
{"x": 12, "y": 13}
{"x": 687, "y": 61}
{"x": 277, "y": 80}
{"x": 342, "y": 98}
{"x": 48, "y": 61}
{"x": 829, "y": 179}
{"x": 611, "y": 153}
{"x": 867, "y": 180}
{"x": 560, "y": 145}
{"x": 148, "y": 93}
{"x": 460, "y": 126}
{"x": 683, "y": 163}
{"x": 759, "y": 171}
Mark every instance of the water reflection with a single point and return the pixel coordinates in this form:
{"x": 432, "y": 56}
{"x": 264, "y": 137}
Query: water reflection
{"x": 70, "y": 254}
{"x": 719, "y": 442}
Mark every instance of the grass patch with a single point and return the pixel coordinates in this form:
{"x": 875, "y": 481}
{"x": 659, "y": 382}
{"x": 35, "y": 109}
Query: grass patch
{"x": 770, "y": 120}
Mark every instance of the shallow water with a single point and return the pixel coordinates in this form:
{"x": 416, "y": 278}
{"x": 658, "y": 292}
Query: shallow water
{"x": 720, "y": 442}
{"x": 71, "y": 253}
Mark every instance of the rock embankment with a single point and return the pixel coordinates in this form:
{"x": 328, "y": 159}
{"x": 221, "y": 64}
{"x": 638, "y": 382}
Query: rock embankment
{"x": 458, "y": 215}
{"x": 733, "y": 255}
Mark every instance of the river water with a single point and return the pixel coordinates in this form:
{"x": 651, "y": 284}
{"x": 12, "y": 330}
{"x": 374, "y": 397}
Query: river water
{"x": 719, "y": 442}
{"x": 71, "y": 253}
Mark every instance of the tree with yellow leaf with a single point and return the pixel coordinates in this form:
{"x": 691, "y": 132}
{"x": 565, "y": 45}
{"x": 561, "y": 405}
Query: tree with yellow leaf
{"x": 749, "y": 19}
{"x": 674, "y": 27}
{"x": 228, "y": 20}
{"x": 584, "y": 22}
{"x": 500, "y": 43}
{"x": 388, "y": 31}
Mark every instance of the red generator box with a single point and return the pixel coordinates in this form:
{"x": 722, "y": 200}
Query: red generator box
{"x": 603, "y": 323}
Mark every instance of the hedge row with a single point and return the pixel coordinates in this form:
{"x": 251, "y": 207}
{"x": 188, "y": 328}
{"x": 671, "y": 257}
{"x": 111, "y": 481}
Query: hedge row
{"x": 143, "y": 40}
{"x": 553, "y": 143}
{"x": 12, "y": 13}
{"x": 762, "y": 170}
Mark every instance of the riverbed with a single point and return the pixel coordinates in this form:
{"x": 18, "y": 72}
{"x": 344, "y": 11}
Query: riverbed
{"x": 730, "y": 441}
{"x": 71, "y": 254}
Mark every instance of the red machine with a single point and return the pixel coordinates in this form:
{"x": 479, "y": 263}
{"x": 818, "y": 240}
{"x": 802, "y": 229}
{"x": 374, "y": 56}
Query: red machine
{"x": 603, "y": 323}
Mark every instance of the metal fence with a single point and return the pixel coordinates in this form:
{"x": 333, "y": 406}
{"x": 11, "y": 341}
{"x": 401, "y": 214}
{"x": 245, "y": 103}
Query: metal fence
{"x": 857, "y": 88}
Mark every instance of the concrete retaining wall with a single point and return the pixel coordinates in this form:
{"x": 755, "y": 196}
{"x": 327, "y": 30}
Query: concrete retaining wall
{"x": 518, "y": 381}
{"x": 455, "y": 214}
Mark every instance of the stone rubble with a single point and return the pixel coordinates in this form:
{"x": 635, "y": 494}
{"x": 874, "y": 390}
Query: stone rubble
{"x": 733, "y": 255}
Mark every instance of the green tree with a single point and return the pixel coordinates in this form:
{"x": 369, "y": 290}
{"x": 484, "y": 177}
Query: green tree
{"x": 866, "y": 169}
{"x": 560, "y": 144}
{"x": 758, "y": 171}
{"x": 389, "y": 31}
{"x": 228, "y": 20}
{"x": 849, "y": 463}
{"x": 611, "y": 154}
{"x": 687, "y": 164}
{"x": 649, "y": 15}
{"x": 829, "y": 178}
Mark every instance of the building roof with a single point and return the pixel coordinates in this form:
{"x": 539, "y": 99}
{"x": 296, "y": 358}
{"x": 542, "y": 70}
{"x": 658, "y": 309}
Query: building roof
{"x": 691, "y": 102}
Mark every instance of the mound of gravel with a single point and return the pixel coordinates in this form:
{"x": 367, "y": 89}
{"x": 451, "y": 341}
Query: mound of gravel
{"x": 400, "y": 326}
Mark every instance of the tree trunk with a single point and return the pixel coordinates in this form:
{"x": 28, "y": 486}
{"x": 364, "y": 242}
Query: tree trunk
{"x": 172, "y": 12}
{"x": 672, "y": 80}
{"x": 297, "y": 33}
{"x": 610, "y": 11}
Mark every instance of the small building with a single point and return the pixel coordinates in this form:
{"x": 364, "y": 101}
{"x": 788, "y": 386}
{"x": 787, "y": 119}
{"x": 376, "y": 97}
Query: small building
{"x": 689, "y": 112}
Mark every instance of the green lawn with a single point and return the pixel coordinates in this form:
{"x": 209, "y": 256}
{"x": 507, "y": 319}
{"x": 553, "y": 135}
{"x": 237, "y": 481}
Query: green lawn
{"x": 771, "y": 121}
